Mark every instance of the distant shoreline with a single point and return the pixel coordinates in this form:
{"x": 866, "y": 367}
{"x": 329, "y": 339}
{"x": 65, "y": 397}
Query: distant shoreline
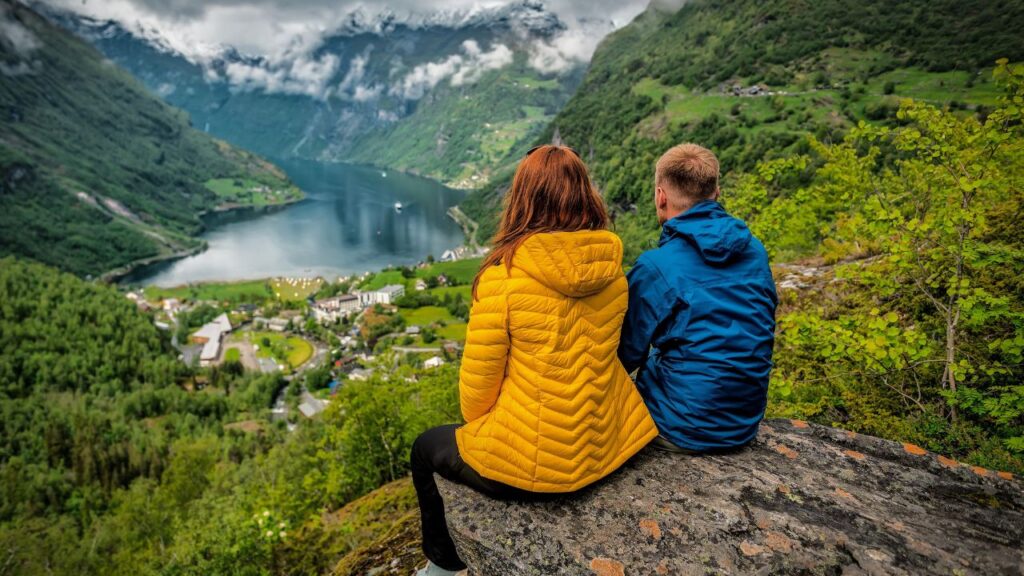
{"x": 117, "y": 275}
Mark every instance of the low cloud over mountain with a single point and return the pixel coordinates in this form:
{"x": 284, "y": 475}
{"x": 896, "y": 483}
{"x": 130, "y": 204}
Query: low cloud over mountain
{"x": 460, "y": 68}
{"x": 280, "y": 43}
{"x": 19, "y": 44}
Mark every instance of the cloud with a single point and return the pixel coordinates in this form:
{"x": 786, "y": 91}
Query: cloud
{"x": 367, "y": 93}
{"x": 356, "y": 71}
{"x": 570, "y": 48}
{"x": 352, "y": 86}
{"x": 465, "y": 68}
{"x": 283, "y": 37}
{"x": 668, "y": 5}
{"x": 15, "y": 36}
{"x": 302, "y": 75}
{"x": 20, "y": 43}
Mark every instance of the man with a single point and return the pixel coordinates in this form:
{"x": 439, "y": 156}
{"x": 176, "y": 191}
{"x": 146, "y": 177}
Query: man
{"x": 701, "y": 319}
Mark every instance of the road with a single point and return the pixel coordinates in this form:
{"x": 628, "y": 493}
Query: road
{"x": 280, "y": 410}
{"x": 415, "y": 349}
{"x": 246, "y": 355}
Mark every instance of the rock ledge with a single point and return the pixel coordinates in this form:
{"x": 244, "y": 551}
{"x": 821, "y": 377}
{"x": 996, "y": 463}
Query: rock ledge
{"x": 802, "y": 499}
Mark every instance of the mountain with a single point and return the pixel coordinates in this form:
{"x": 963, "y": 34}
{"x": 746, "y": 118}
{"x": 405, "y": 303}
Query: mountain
{"x": 95, "y": 173}
{"x": 800, "y": 67}
{"x": 448, "y": 95}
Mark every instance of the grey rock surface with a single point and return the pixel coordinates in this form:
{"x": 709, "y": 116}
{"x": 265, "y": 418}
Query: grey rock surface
{"x": 802, "y": 499}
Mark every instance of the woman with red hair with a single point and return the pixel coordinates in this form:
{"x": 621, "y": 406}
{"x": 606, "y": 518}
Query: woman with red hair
{"x": 548, "y": 406}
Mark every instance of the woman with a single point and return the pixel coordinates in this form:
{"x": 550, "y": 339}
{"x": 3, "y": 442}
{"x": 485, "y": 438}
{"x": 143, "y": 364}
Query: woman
{"x": 548, "y": 406}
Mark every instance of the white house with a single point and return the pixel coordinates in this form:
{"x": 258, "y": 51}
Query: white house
{"x": 420, "y": 285}
{"x": 433, "y": 362}
{"x": 391, "y": 292}
{"x": 277, "y": 324}
{"x": 331, "y": 309}
{"x": 210, "y": 336}
{"x": 385, "y": 295}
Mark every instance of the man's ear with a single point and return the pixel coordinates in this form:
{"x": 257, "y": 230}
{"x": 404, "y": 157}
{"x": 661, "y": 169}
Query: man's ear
{"x": 717, "y": 194}
{"x": 660, "y": 198}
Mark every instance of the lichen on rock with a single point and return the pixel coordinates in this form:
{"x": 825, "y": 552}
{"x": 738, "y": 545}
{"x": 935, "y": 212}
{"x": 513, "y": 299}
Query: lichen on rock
{"x": 802, "y": 499}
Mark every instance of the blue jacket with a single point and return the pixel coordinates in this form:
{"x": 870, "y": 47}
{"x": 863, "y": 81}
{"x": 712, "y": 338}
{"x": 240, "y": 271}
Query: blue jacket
{"x": 700, "y": 327}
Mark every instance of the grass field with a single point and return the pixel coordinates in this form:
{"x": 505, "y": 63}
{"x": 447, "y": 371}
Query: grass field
{"x": 289, "y": 350}
{"x": 426, "y": 315}
{"x": 754, "y": 114}
{"x": 232, "y": 355}
{"x": 462, "y": 271}
{"x": 466, "y": 290}
{"x": 454, "y": 331}
{"x": 295, "y": 288}
{"x": 251, "y": 192}
{"x": 245, "y": 291}
{"x": 383, "y": 278}
{"x": 938, "y": 87}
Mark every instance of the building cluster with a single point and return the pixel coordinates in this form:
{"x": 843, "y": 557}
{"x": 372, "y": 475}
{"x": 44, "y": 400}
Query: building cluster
{"x": 331, "y": 309}
{"x": 211, "y": 335}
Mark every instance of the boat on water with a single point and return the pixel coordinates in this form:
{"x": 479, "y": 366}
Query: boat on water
{"x": 383, "y": 174}
{"x": 398, "y": 206}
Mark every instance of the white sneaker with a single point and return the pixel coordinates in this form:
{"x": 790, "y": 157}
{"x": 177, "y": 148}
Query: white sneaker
{"x": 432, "y": 569}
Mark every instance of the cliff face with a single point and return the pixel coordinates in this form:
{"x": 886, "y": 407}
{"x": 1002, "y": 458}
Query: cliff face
{"x": 802, "y": 499}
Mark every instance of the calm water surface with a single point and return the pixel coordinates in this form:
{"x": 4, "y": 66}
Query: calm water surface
{"x": 348, "y": 223}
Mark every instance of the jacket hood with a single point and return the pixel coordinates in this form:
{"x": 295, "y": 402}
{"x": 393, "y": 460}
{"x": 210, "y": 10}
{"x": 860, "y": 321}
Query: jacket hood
{"x": 716, "y": 235}
{"x": 576, "y": 264}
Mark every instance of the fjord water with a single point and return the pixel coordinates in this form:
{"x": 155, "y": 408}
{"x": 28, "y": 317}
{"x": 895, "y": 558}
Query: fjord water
{"x": 348, "y": 223}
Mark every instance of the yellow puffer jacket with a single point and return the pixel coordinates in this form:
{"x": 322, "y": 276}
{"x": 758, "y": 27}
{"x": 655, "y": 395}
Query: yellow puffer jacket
{"x": 548, "y": 405}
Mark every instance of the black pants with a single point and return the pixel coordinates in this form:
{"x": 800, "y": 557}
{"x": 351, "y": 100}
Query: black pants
{"x": 436, "y": 451}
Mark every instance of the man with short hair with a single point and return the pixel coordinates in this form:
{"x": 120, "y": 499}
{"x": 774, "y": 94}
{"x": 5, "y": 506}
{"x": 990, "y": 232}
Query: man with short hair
{"x": 701, "y": 319}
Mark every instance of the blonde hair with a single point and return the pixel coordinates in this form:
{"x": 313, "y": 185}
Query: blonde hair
{"x": 690, "y": 171}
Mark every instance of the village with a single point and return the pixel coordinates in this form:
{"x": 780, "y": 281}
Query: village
{"x": 315, "y": 334}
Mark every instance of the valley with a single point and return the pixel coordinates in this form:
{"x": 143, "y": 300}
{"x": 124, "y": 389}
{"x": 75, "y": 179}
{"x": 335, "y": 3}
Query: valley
{"x": 246, "y": 401}
{"x": 450, "y": 98}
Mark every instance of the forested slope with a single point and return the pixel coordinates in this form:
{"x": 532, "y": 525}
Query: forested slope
{"x": 117, "y": 459}
{"x": 94, "y": 172}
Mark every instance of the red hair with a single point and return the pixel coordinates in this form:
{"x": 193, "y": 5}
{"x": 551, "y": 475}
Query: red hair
{"x": 551, "y": 192}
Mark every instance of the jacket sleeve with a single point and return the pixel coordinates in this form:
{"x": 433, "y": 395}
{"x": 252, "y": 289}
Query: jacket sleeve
{"x": 485, "y": 356}
{"x": 649, "y": 302}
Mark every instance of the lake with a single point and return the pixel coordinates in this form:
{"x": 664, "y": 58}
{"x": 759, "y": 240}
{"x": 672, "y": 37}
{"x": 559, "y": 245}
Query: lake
{"x": 347, "y": 223}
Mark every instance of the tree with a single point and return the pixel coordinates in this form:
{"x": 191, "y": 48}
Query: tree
{"x": 933, "y": 310}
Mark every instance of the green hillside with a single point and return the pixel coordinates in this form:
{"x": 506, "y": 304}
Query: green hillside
{"x": 95, "y": 173}
{"x": 668, "y": 78}
{"x": 461, "y": 136}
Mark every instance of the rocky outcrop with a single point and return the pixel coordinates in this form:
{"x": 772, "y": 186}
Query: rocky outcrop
{"x": 802, "y": 499}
